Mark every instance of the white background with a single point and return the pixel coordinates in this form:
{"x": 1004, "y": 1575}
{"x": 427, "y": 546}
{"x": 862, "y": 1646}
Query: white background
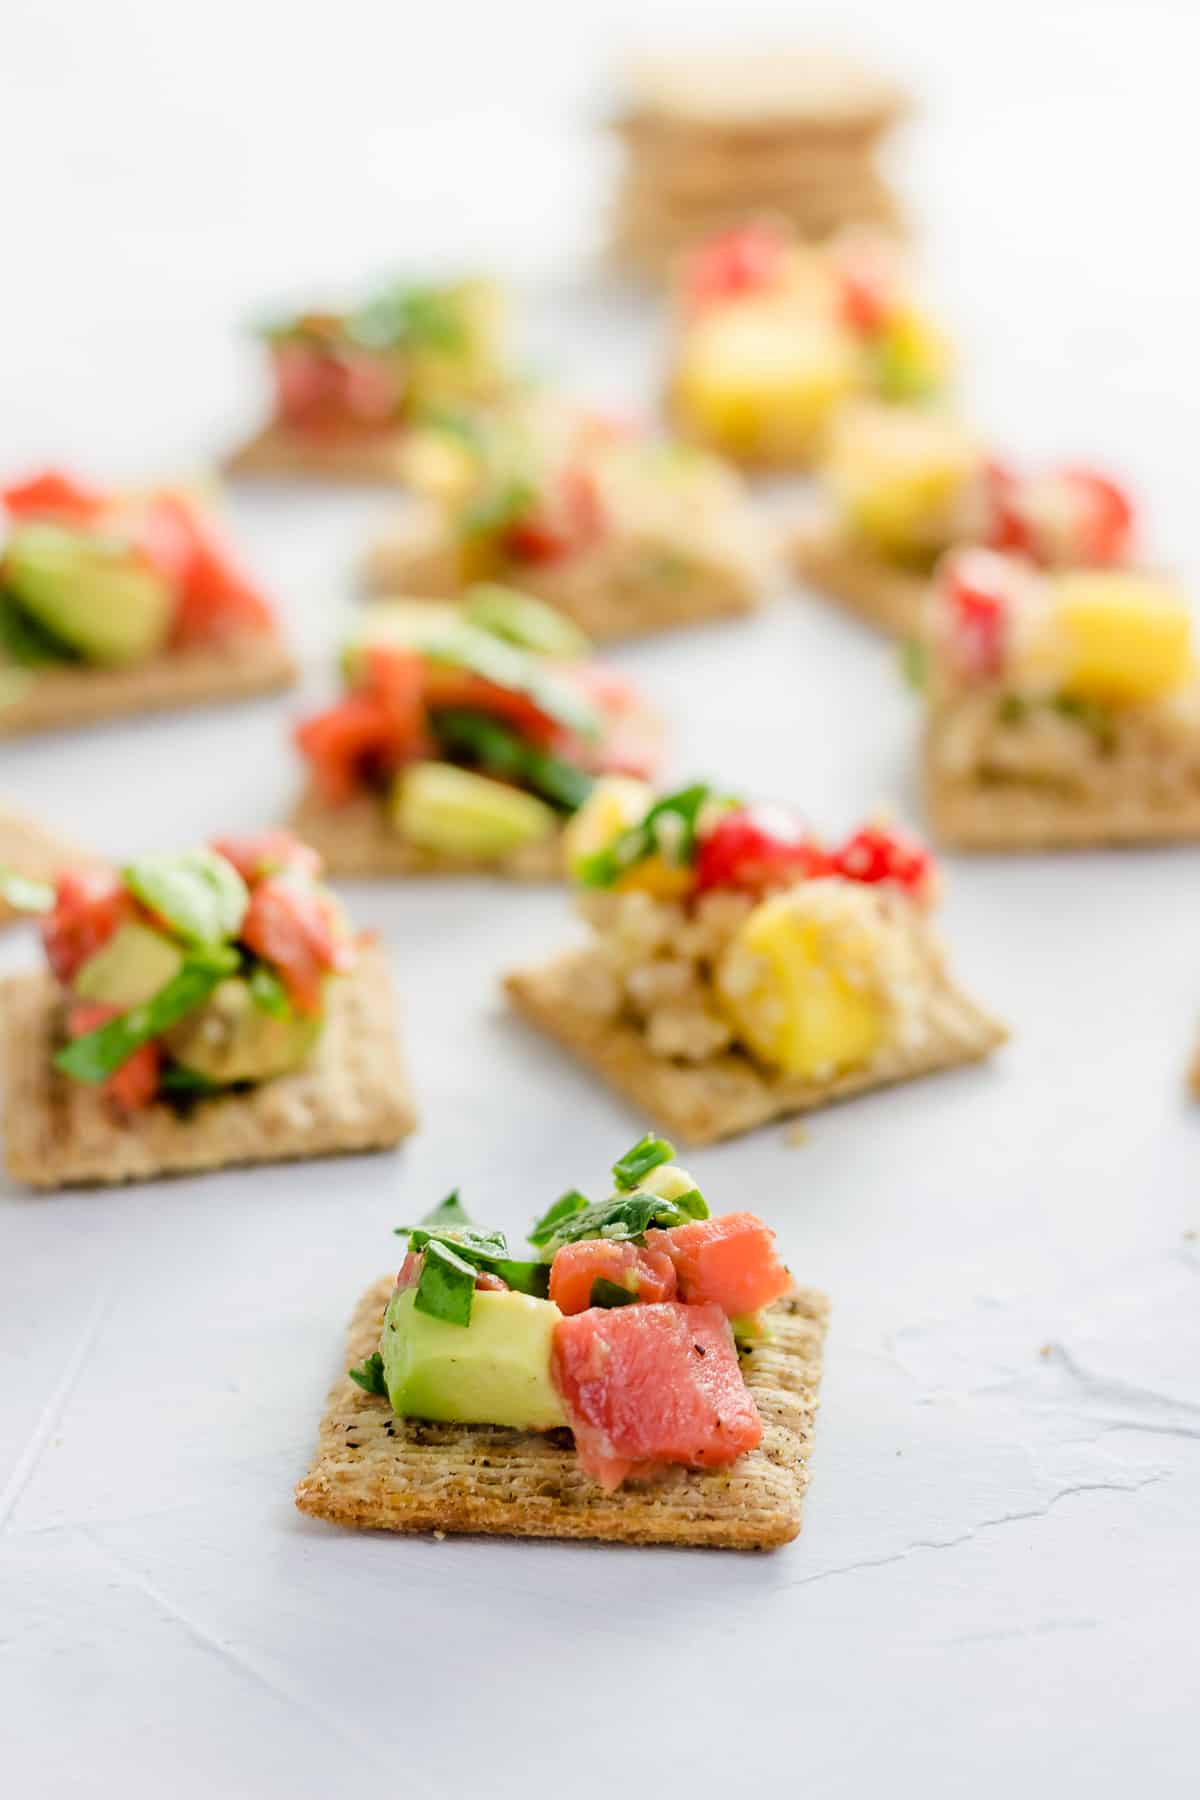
{"x": 996, "y": 1586}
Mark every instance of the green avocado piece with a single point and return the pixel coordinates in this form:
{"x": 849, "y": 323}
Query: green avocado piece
{"x": 198, "y": 892}
{"x": 457, "y": 813}
{"x": 398, "y": 624}
{"x": 130, "y": 969}
{"x": 524, "y": 621}
{"x": 232, "y": 1038}
{"x": 90, "y": 592}
{"x": 494, "y": 1371}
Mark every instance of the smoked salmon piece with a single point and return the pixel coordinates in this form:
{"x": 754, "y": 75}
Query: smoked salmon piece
{"x": 652, "y": 1384}
{"x": 650, "y": 1274}
{"x": 730, "y": 1262}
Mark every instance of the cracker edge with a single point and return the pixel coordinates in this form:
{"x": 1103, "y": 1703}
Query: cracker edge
{"x": 32, "y": 850}
{"x": 418, "y": 561}
{"x": 1012, "y": 819}
{"x": 89, "y": 696}
{"x": 727, "y": 1095}
{"x": 888, "y": 599}
{"x": 275, "y": 452}
{"x": 355, "y": 841}
{"x": 717, "y": 1518}
{"x": 57, "y": 1135}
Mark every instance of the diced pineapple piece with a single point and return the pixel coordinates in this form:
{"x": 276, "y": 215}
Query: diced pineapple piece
{"x": 913, "y": 357}
{"x": 902, "y": 477}
{"x": 1120, "y": 637}
{"x": 800, "y": 986}
{"x": 761, "y": 378}
{"x": 614, "y": 804}
{"x": 436, "y": 464}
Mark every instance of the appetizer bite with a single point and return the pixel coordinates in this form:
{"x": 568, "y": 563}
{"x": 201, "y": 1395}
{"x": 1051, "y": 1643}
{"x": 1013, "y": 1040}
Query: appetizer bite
{"x": 30, "y": 856}
{"x": 349, "y": 386}
{"x": 900, "y": 487}
{"x": 117, "y": 603}
{"x": 774, "y": 336}
{"x": 200, "y": 1010}
{"x": 465, "y": 737}
{"x": 1062, "y": 707}
{"x": 649, "y": 1375}
{"x": 623, "y": 534}
{"x": 739, "y": 970}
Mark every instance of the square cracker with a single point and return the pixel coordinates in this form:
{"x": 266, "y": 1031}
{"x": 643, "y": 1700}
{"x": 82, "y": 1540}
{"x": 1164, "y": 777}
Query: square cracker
{"x": 966, "y": 814}
{"x": 608, "y": 598}
{"x": 355, "y": 839}
{"x": 890, "y": 599}
{"x": 729, "y": 1094}
{"x": 376, "y": 1470}
{"x": 353, "y": 1095}
{"x": 29, "y": 849}
{"x": 75, "y": 695}
{"x": 377, "y": 459}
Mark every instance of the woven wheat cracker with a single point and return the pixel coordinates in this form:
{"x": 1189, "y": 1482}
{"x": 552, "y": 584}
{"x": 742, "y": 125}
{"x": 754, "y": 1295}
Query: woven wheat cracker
{"x": 729, "y": 1094}
{"x": 356, "y": 839}
{"x": 352, "y": 1094}
{"x": 375, "y": 460}
{"x": 888, "y": 598}
{"x": 620, "y": 590}
{"x": 965, "y": 813}
{"x": 373, "y": 1469}
{"x": 76, "y": 695}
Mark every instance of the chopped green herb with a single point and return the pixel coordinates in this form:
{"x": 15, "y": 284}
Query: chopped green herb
{"x": 1012, "y": 709}
{"x": 648, "y": 1153}
{"x": 369, "y": 1375}
{"x": 446, "y": 1289}
{"x": 98, "y": 1054}
{"x": 175, "y": 1079}
{"x": 197, "y": 893}
{"x": 495, "y": 510}
{"x": 609, "y": 1293}
{"x": 448, "y": 1214}
{"x": 1092, "y": 715}
{"x": 25, "y": 641}
{"x": 24, "y": 894}
{"x": 668, "y": 830}
{"x": 624, "y": 1217}
{"x": 523, "y": 1277}
{"x": 565, "y": 1207}
{"x": 426, "y": 318}
{"x": 268, "y": 992}
{"x": 501, "y": 752}
{"x": 914, "y": 663}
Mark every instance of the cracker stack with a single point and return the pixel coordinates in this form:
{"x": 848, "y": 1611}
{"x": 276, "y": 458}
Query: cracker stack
{"x": 712, "y": 139}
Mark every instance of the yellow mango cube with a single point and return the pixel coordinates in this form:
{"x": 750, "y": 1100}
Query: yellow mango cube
{"x": 1119, "y": 636}
{"x": 801, "y": 989}
{"x": 902, "y": 478}
{"x": 912, "y": 357}
{"x": 762, "y": 379}
{"x": 614, "y": 804}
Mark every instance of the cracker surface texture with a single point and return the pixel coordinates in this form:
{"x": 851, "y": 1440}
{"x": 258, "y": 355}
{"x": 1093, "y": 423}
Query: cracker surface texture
{"x": 352, "y": 1095}
{"x": 377, "y": 459}
{"x": 373, "y": 1469}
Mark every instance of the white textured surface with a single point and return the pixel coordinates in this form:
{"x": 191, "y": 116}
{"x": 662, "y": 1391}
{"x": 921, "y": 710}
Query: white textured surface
{"x": 996, "y": 1587}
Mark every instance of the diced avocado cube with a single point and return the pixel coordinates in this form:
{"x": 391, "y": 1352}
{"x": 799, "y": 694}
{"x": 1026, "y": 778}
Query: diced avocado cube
{"x": 398, "y": 624}
{"x": 494, "y": 1371}
{"x": 524, "y": 621}
{"x": 130, "y": 969}
{"x": 90, "y": 592}
{"x": 232, "y": 1038}
{"x": 439, "y": 807}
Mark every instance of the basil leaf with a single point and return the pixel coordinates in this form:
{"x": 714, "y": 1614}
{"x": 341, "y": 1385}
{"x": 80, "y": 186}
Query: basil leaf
{"x": 648, "y": 1153}
{"x": 198, "y": 893}
{"x": 563, "y": 1208}
{"x": 498, "y": 750}
{"x": 24, "y": 640}
{"x": 609, "y": 1293}
{"x": 625, "y": 1218}
{"x": 424, "y": 317}
{"x": 98, "y": 1054}
{"x": 524, "y": 1277}
{"x": 175, "y": 1079}
{"x": 369, "y": 1375}
{"x": 668, "y": 830}
{"x": 268, "y": 992}
{"x": 446, "y": 1289}
{"x": 24, "y": 894}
